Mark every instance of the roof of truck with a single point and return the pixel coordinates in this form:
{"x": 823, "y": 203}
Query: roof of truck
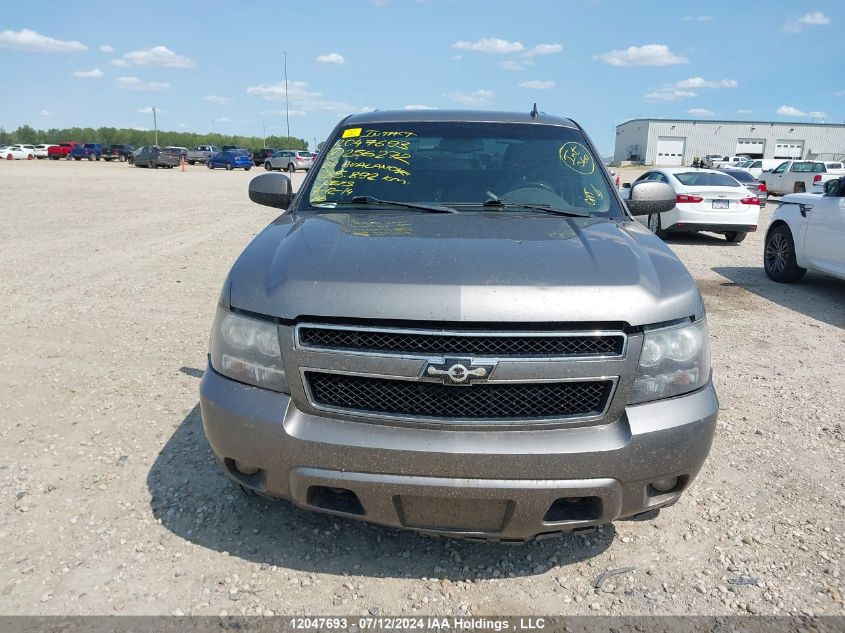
{"x": 476, "y": 116}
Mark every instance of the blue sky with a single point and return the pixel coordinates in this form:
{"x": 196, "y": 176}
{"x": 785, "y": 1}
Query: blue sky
{"x": 218, "y": 66}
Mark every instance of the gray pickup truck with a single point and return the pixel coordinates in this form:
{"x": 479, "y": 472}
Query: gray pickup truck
{"x": 200, "y": 154}
{"x": 457, "y": 327}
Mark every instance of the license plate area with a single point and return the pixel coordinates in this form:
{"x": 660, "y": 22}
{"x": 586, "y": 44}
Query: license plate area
{"x": 439, "y": 513}
{"x": 721, "y": 204}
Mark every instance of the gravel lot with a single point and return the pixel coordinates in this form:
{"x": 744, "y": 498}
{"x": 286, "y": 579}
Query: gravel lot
{"x": 113, "y": 502}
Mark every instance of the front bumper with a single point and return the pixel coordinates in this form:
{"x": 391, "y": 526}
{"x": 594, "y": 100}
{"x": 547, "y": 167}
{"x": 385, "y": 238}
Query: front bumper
{"x": 496, "y": 484}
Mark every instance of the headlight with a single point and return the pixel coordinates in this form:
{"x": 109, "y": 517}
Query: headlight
{"x": 247, "y": 350}
{"x": 673, "y": 361}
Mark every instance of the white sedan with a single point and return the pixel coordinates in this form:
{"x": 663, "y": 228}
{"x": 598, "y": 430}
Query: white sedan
{"x": 705, "y": 200}
{"x": 18, "y": 152}
{"x": 41, "y": 151}
{"x": 807, "y": 231}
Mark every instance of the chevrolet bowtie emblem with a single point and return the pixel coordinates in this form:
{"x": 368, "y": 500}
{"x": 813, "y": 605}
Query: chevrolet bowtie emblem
{"x": 457, "y": 371}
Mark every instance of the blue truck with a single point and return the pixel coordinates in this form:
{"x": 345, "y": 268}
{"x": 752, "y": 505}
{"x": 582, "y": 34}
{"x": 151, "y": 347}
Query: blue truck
{"x": 91, "y": 151}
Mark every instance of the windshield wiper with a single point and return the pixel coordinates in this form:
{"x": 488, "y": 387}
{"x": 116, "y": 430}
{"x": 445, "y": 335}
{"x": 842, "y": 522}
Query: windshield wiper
{"x": 495, "y": 201}
{"x": 371, "y": 201}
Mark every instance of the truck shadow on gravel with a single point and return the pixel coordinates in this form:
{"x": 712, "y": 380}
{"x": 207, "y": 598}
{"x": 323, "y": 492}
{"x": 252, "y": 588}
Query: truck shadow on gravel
{"x": 193, "y": 499}
{"x": 817, "y": 296}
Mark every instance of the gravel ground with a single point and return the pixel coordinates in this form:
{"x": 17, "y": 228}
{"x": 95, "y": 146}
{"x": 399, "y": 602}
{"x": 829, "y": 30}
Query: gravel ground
{"x": 113, "y": 502}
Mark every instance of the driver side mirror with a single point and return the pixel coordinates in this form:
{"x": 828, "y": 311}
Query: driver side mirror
{"x": 831, "y": 187}
{"x": 271, "y": 190}
{"x": 626, "y": 185}
{"x": 649, "y": 197}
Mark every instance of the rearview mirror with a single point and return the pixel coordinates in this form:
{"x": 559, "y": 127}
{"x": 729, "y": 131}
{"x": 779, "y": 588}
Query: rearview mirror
{"x": 649, "y": 197}
{"x": 271, "y": 190}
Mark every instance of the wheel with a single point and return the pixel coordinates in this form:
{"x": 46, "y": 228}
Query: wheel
{"x": 121, "y": 159}
{"x": 130, "y": 160}
{"x": 799, "y": 187}
{"x": 30, "y": 157}
{"x": 268, "y": 166}
{"x": 190, "y": 162}
{"x": 10, "y": 157}
{"x": 69, "y": 157}
{"x": 291, "y": 167}
{"x": 735, "y": 236}
{"x": 656, "y": 227}
{"x": 779, "y": 256}
{"x": 209, "y": 165}
{"x": 229, "y": 167}
{"x": 90, "y": 157}
{"x": 98, "y": 158}
{"x": 247, "y": 168}
{"x": 77, "y": 159}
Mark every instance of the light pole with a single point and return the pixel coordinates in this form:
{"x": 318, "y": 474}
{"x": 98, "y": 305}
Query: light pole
{"x": 264, "y": 135}
{"x": 287, "y": 110}
{"x": 155, "y": 124}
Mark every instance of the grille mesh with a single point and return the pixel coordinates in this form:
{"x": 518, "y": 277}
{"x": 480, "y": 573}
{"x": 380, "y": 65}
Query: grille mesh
{"x": 435, "y": 344}
{"x": 427, "y": 399}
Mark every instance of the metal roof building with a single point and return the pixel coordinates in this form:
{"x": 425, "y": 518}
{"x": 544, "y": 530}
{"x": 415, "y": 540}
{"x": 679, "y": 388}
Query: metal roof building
{"x": 678, "y": 141}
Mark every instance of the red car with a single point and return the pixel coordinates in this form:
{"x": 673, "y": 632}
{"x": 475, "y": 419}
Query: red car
{"x": 62, "y": 150}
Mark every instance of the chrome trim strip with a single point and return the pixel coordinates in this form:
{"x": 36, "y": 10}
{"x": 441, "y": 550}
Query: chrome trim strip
{"x": 299, "y": 345}
{"x": 458, "y": 421}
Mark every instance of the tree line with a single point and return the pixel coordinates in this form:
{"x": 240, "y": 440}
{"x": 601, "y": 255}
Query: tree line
{"x": 138, "y": 138}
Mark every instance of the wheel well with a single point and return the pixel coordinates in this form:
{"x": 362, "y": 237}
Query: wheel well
{"x": 776, "y": 224}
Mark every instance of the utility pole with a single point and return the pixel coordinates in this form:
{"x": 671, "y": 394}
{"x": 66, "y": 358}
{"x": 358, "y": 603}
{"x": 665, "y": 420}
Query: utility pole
{"x": 287, "y": 110}
{"x": 155, "y": 124}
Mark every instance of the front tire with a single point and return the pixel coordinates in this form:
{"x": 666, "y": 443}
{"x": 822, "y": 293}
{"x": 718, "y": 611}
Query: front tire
{"x": 779, "y": 260}
{"x": 291, "y": 168}
{"x": 268, "y": 166}
{"x": 735, "y": 236}
{"x": 229, "y": 167}
{"x": 656, "y": 226}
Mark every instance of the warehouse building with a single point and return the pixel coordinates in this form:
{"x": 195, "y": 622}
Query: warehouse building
{"x": 678, "y": 141}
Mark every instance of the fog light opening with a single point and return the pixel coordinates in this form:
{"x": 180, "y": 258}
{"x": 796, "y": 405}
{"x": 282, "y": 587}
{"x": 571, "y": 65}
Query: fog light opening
{"x": 335, "y": 500}
{"x": 248, "y": 470}
{"x": 574, "y": 509}
{"x": 667, "y": 485}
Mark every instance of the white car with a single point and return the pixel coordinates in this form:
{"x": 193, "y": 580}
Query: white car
{"x": 19, "y": 152}
{"x": 705, "y": 200}
{"x": 807, "y": 232}
{"x": 41, "y": 151}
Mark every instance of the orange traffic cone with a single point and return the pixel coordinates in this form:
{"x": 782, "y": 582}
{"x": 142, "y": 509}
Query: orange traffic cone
{"x": 183, "y": 163}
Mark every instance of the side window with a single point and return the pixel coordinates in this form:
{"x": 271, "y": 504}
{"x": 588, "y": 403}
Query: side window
{"x": 658, "y": 177}
{"x": 780, "y": 168}
{"x": 756, "y": 164}
{"x": 645, "y": 176}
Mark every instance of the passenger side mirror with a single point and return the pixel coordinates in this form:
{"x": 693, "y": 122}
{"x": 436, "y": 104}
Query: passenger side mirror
{"x": 271, "y": 190}
{"x": 649, "y": 197}
{"x": 626, "y": 185}
{"x": 831, "y": 187}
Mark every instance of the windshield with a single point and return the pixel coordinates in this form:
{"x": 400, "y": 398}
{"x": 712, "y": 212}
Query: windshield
{"x": 706, "y": 179}
{"x": 464, "y": 164}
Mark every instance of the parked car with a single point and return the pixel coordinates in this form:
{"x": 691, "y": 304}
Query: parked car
{"x": 200, "y": 154}
{"x": 19, "y": 152}
{"x": 709, "y": 159}
{"x": 182, "y": 152}
{"x": 289, "y": 160}
{"x": 42, "y": 151}
{"x": 807, "y": 232}
{"x": 755, "y": 187}
{"x": 798, "y": 176}
{"x": 62, "y": 150}
{"x": 155, "y": 157}
{"x": 706, "y": 200}
{"x": 261, "y": 155}
{"x": 557, "y": 378}
{"x": 118, "y": 152}
{"x": 91, "y": 151}
{"x": 229, "y": 148}
{"x": 231, "y": 159}
{"x": 726, "y": 161}
{"x": 757, "y": 166}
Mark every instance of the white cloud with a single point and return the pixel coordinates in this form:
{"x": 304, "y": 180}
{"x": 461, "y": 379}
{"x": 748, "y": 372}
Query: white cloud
{"x": 157, "y": 56}
{"x": 543, "y": 49}
{"x": 815, "y": 114}
{"x": 45, "y": 113}
{"x": 331, "y": 58}
{"x": 536, "y": 84}
{"x": 700, "y": 82}
{"x": 475, "y": 98}
{"x": 684, "y": 89}
{"x": 94, "y": 73}
{"x": 814, "y": 18}
{"x": 700, "y": 112}
{"x": 221, "y": 101}
{"x": 744, "y": 111}
{"x": 516, "y": 64}
{"x": 29, "y": 40}
{"x": 647, "y": 55}
{"x": 457, "y": 58}
{"x": 120, "y": 63}
{"x": 222, "y": 119}
{"x": 786, "y": 110}
{"x": 418, "y": 107}
{"x": 697, "y": 18}
{"x": 491, "y": 45}
{"x": 135, "y": 84}
{"x": 301, "y": 97}
{"x": 106, "y": 48}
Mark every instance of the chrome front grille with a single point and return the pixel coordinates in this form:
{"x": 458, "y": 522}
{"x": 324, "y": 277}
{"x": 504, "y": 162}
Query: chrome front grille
{"x": 492, "y": 401}
{"x": 595, "y": 344}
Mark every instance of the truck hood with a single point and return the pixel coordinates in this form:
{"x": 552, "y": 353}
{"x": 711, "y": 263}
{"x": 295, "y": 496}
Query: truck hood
{"x": 469, "y": 267}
